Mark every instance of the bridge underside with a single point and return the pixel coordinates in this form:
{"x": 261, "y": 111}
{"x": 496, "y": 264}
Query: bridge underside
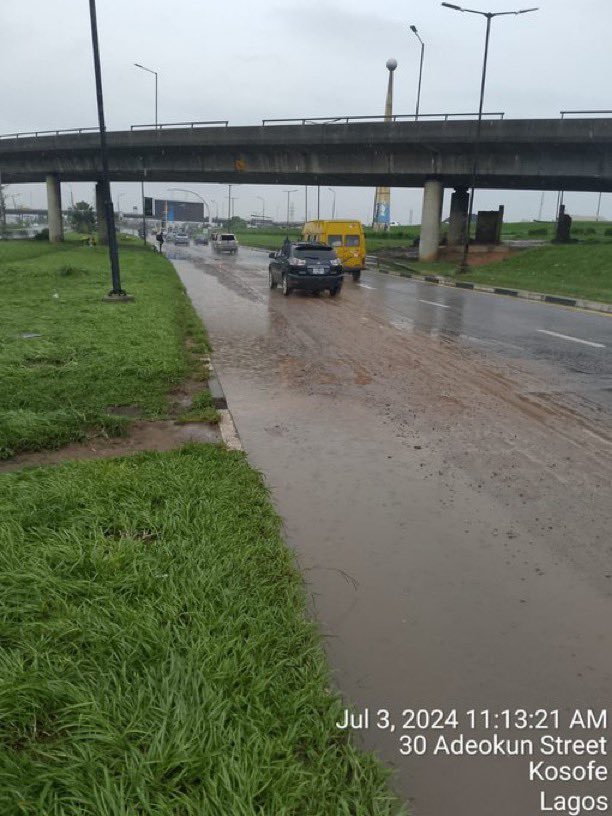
{"x": 514, "y": 154}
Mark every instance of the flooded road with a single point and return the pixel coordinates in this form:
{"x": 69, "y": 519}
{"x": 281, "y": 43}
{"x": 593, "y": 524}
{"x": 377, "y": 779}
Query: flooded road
{"x": 442, "y": 461}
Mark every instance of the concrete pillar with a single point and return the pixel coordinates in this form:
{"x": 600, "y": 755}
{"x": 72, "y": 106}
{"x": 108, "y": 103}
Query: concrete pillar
{"x": 433, "y": 194}
{"x": 101, "y": 215}
{"x": 460, "y": 204}
{"x": 54, "y": 209}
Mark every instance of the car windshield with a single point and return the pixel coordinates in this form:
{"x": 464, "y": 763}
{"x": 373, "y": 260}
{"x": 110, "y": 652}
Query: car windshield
{"x": 314, "y": 253}
{"x": 228, "y": 237}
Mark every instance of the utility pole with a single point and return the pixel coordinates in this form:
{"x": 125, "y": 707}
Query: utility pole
{"x": 229, "y": 204}
{"x": 116, "y": 293}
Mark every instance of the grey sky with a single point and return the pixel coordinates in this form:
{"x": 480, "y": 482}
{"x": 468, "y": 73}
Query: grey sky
{"x": 244, "y": 61}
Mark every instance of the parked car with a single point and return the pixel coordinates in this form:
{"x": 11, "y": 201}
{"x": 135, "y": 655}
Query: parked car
{"x": 201, "y": 240}
{"x": 309, "y": 266}
{"x": 181, "y": 238}
{"x": 225, "y": 242}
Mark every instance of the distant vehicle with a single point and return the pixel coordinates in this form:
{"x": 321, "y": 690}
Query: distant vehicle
{"x": 225, "y": 242}
{"x": 201, "y": 239}
{"x": 394, "y": 224}
{"x": 311, "y": 267}
{"x": 181, "y": 238}
{"x": 346, "y": 237}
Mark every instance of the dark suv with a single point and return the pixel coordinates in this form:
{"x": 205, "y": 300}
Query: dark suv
{"x": 308, "y": 266}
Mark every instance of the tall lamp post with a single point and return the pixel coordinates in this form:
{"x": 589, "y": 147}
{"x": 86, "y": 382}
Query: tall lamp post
{"x": 116, "y": 292}
{"x": 382, "y": 197}
{"x": 263, "y": 208}
{"x": 150, "y": 71}
{"x": 413, "y": 28}
{"x": 489, "y": 15}
{"x": 197, "y": 195}
{"x": 331, "y": 190}
{"x": 288, "y": 197}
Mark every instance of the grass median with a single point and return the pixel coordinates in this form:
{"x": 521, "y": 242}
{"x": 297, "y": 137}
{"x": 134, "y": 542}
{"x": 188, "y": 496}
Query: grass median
{"x": 582, "y": 271}
{"x": 69, "y": 362}
{"x": 155, "y": 652}
{"x": 156, "y": 656}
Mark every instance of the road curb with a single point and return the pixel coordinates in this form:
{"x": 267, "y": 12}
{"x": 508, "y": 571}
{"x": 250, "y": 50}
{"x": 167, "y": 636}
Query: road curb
{"x": 541, "y": 297}
{"x": 227, "y": 427}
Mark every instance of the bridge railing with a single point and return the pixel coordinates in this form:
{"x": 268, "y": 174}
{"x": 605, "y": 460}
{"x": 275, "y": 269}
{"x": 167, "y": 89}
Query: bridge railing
{"x": 25, "y": 134}
{"x": 585, "y": 113}
{"x": 397, "y": 117}
{"x": 223, "y": 122}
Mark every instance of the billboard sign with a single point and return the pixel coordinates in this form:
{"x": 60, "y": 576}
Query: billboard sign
{"x": 169, "y": 210}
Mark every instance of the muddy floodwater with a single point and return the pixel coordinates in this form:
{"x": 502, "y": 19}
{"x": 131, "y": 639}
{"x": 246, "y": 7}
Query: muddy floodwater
{"x": 442, "y": 461}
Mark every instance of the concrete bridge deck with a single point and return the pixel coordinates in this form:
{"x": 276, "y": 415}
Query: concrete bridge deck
{"x": 529, "y": 154}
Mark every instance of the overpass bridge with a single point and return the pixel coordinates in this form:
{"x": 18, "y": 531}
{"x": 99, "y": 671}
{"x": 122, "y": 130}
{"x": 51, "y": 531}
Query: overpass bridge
{"x": 519, "y": 154}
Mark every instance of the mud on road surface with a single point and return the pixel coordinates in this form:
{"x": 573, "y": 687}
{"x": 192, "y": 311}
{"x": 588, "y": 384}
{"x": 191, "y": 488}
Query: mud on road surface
{"x": 448, "y": 497}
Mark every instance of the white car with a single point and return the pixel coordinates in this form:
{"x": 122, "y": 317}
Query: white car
{"x": 225, "y": 242}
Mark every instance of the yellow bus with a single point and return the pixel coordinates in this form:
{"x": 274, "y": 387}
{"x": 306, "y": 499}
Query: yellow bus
{"x": 346, "y": 237}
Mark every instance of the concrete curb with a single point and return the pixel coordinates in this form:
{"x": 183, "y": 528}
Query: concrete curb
{"x": 229, "y": 433}
{"x": 556, "y": 300}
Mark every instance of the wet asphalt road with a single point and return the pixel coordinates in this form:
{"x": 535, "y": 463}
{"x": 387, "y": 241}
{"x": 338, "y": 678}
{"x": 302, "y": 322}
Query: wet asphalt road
{"x": 443, "y": 465}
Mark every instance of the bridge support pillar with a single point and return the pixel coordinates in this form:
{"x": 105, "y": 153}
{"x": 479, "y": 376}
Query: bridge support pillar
{"x": 101, "y": 215}
{"x": 460, "y": 204}
{"x": 54, "y": 209}
{"x": 429, "y": 242}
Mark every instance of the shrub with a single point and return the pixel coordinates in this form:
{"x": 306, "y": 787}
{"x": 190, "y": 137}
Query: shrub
{"x": 43, "y": 235}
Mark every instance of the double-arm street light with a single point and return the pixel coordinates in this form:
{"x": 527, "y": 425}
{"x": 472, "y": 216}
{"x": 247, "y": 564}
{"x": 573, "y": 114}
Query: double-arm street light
{"x": 197, "y": 195}
{"x": 331, "y": 190}
{"x": 263, "y": 207}
{"x": 288, "y": 197}
{"x": 489, "y": 15}
{"x": 150, "y": 71}
{"x": 413, "y": 28}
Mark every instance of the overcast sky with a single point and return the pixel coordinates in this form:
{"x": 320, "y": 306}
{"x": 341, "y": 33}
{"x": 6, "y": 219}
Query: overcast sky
{"x": 244, "y": 61}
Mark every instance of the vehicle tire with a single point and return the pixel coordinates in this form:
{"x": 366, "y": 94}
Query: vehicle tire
{"x": 335, "y": 290}
{"x": 285, "y": 286}
{"x": 272, "y": 283}
{"x": 356, "y": 275}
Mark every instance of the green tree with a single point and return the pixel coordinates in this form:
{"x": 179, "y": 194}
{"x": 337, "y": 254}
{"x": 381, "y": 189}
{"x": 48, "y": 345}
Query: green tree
{"x": 82, "y": 217}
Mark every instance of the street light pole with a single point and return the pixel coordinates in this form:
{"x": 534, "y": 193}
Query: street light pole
{"x": 334, "y": 204}
{"x": 413, "y": 28}
{"x": 263, "y": 208}
{"x": 150, "y": 71}
{"x": 288, "y": 196}
{"x": 476, "y": 155}
{"x": 116, "y": 291}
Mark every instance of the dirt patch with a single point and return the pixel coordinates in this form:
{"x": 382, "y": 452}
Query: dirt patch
{"x": 163, "y": 435}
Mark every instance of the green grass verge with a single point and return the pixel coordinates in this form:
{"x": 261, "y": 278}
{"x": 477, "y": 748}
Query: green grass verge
{"x": 87, "y": 356}
{"x": 202, "y": 409}
{"x": 576, "y": 271}
{"x": 156, "y": 657}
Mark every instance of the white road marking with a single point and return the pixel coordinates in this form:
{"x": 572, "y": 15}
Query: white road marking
{"x": 433, "y": 303}
{"x": 365, "y": 286}
{"x": 574, "y": 339}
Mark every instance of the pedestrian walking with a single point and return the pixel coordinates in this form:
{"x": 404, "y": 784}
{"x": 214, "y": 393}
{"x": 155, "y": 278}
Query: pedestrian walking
{"x": 160, "y": 239}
